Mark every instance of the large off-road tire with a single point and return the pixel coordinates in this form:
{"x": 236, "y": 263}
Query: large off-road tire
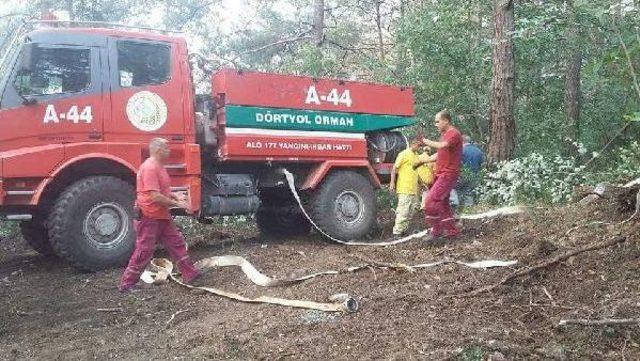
{"x": 280, "y": 215}
{"x": 344, "y": 206}
{"x": 90, "y": 224}
{"x": 35, "y": 234}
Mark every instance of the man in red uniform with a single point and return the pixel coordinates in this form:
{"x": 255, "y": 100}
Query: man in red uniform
{"x": 154, "y": 198}
{"x": 437, "y": 211}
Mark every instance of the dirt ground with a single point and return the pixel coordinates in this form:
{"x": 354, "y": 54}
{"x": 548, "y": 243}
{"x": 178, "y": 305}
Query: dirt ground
{"x": 49, "y": 311}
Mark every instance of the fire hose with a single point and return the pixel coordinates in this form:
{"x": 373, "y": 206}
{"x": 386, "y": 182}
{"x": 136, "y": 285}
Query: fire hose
{"x": 490, "y": 214}
{"x": 161, "y": 270}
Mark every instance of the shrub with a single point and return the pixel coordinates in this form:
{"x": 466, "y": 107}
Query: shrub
{"x": 626, "y": 165}
{"x": 532, "y": 178}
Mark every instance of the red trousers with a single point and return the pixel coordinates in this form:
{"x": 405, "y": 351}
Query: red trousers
{"x": 437, "y": 211}
{"x": 149, "y": 231}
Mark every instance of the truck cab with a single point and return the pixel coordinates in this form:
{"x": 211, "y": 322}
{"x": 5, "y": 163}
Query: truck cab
{"x": 79, "y": 105}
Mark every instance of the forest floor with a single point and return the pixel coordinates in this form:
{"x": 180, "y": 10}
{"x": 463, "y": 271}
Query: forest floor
{"x": 49, "y": 311}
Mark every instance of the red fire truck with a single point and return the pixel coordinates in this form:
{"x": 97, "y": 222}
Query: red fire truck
{"x": 80, "y": 102}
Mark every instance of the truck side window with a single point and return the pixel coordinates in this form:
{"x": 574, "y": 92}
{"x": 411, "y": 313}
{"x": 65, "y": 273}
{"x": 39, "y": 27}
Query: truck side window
{"x": 143, "y": 63}
{"x": 56, "y": 71}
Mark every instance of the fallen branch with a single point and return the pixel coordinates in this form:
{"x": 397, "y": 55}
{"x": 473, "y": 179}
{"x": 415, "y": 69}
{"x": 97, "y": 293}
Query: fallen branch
{"x": 586, "y": 225}
{"x": 300, "y": 37}
{"x": 555, "y": 260}
{"x": 383, "y": 265}
{"x": 168, "y": 323}
{"x": 604, "y": 322}
{"x": 22, "y": 313}
{"x": 544, "y": 289}
{"x": 373, "y": 270}
{"x": 129, "y": 322}
{"x": 552, "y": 305}
{"x": 161, "y": 271}
{"x": 606, "y": 146}
{"x": 117, "y": 309}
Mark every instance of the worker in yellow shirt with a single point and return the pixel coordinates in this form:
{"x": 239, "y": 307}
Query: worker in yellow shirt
{"x": 404, "y": 181}
{"x": 425, "y": 167}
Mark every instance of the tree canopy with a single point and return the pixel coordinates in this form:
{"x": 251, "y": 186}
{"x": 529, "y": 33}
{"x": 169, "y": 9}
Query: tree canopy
{"x": 576, "y": 61}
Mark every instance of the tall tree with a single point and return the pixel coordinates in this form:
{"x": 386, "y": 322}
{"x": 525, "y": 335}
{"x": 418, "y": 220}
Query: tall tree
{"x": 401, "y": 66}
{"x": 379, "y": 26}
{"x": 572, "y": 92}
{"x": 501, "y": 115}
{"x": 318, "y": 22}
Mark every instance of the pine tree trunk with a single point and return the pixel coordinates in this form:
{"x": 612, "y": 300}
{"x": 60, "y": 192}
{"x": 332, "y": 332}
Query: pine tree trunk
{"x": 318, "y": 22}
{"x": 572, "y": 93}
{"x": 167, "y": 13}
{"x": 317, "y": 38}
{"x": 401, "y": 60}
{"x": 501, "y": 113}
{"x": 476, "y": 36}
{"x": 378, "y": 4}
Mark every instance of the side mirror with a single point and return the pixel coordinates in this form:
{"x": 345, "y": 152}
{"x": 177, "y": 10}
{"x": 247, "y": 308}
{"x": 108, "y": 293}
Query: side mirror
{"x": 29, "y": 58}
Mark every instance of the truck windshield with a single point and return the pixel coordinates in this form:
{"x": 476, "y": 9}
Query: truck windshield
{"x": 11, "y": 31}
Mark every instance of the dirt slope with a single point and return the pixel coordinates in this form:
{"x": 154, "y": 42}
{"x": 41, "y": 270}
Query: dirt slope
{"x": 50, "y": 311}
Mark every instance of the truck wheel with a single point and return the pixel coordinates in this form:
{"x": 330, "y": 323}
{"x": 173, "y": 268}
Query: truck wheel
{"x": 35, "y": 234}
{"x": 90, "y": 224}
{"x": 282, "y": 221}
{"x": 344, "y": 206}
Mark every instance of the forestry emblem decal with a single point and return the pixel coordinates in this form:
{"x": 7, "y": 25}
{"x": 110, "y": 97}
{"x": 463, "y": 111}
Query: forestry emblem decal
{"x": 147, "y": 111}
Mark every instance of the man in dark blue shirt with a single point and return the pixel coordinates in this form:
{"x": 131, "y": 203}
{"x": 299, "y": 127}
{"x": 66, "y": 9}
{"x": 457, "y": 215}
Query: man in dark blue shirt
{"x": 472, "y": 159}
{"x": 472, "y": 156}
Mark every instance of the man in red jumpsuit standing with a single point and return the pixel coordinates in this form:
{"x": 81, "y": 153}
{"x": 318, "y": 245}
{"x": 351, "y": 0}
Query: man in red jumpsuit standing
{"x": 154, "y": 198}
{"x": 438, "y": 213}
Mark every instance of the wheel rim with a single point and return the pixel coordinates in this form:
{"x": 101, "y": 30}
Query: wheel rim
{"x": 106, "y": 225}
{"x": 349, "y": 207}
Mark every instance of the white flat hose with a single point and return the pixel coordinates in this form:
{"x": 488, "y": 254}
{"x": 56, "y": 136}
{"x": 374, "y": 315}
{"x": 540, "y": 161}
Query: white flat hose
{"x": 490, "y": 214}
{"x": 499, "y": 212}
{"x": 161, "y": 270}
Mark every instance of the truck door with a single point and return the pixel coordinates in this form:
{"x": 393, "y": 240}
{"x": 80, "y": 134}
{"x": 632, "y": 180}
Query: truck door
{"x": 55, "y": 99}
{"x": 146, "y": 92}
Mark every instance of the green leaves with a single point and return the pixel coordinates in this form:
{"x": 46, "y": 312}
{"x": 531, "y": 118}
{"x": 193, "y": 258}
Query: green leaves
{"x": 442, "y": 48}
{"x": 634, "y": 117}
